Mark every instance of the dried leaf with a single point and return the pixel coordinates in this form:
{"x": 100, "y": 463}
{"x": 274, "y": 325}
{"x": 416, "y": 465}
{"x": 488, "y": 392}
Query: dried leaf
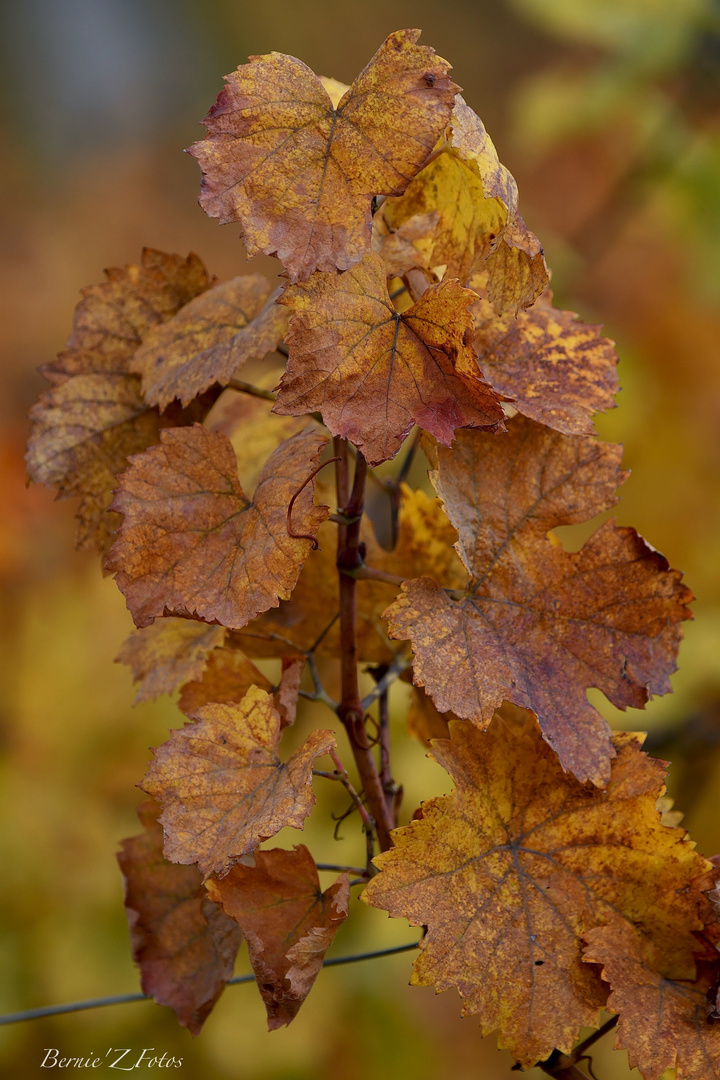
{"x": 183, "y": 943}
{"x": 289, "y": 688}
{"x": 167, "y": 654}
{"x": 300, "y": 174}
{"x": 663, "y": 1022}
{"x": 463, "y": 195}
{"x": 289, "y": 923}
{"x": 192, "y": 543}
{"x": 423, "y": 719}
{"x": 537, "y": 625}
{"x": 95, "y": 417}
{"x": 374, "y": 372}
{"x": 222, "y": 786}
{"x": 209, "y": 339}
{"x": 552, "y": 368}
{"x": 227, "y": 676}
{"x": 510, "y": 870}
{"x": 516, "y": 269}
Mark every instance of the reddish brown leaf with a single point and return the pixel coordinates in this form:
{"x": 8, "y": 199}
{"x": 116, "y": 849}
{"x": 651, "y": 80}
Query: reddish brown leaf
{"x": 373, "y": 372}
{"x": 289, "y": 688}
{"x": 209, "y": 339}
{"x": 289, "y": 923}
{"x": 510, "y": 870}
{"x": 167, "y": 654}
{"x": 95, "y": 417}
{"x": 299, "y": 174}
{"x": 537, "y": 625}
{"x": 183, "y": 943}
{"x": 227, "y": 676}
{"x": 223, "y": 787}
{"x": 552, "y": 368}
{"x": 192, "y": 543}
{"x": 663, "y": 1022}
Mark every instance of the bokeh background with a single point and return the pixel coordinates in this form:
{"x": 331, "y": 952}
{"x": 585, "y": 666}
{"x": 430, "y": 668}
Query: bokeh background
{"x": 608, "y": 114}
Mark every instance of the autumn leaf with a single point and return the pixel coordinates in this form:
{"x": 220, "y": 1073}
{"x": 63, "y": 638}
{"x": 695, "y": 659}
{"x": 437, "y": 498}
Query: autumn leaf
{"x": 537, "y": 625}
{"x": 209, "y": 339}
{"x": 663, "y": 1022}
{"x": 226, "y": 677}
{"x": 167, "y": 654}
{"x": 192, "y": 543}
{"x": 300, "y": 174}
{"x": 94, "y": 416}
{"x": 183, "y": 943}
{"x": 223, "y": 787}
{"x": 464, "y": 197}
{"x": 423, "y": 719}
{"x": 552, "y": 368}
{"x": 424, "y": 546}
{"x": 374, "y": 372}
{"x": 518, "y": 862}
{"x": 516, "y": 270}
{"x": 288, "y": 922}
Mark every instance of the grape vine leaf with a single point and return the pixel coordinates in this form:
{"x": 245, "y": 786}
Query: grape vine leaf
{"x": 288, "y": 923}
{"x": 663, "y": 1022}
{"x": 517, "y": 273}
{"x": 167, "y": 654}
{"x": 509, "y": 870}
{"x": 300, "y": 174}
{"x": 537, "y": 625}
{"x": 227, "y": 676}
{"x": 464, "y": 197}
{"x": 94, "y": 416}
{"x": 183, "y": 943}
{"x": 553, "y": 368}
{"x": 374, "y": 372}
{"x": 209, "y": 340}
{"x": 223, "y": 787}
{"x": 193, "y": 544}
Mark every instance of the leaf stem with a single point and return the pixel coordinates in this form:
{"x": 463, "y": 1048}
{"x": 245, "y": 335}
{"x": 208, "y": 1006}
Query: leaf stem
{"x": 248, "y": 388}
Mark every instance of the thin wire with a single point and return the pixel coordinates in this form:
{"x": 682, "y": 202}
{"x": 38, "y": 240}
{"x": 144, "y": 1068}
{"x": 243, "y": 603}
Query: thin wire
{"x": 123, "y": 999}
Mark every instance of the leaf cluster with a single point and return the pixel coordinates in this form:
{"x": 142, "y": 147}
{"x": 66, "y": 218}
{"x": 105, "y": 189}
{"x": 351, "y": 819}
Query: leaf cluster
{"x": 413, "y": 310}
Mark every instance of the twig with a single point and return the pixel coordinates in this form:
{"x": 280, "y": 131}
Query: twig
{"x": 248, "y": 388}
{"x": 388, "y": 784}
{"x": 124, "y": 999}
{"x": 400, "y": 663}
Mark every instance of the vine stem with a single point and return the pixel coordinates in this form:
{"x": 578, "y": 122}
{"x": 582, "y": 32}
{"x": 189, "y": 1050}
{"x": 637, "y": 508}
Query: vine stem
{"x": 350, "y": 710}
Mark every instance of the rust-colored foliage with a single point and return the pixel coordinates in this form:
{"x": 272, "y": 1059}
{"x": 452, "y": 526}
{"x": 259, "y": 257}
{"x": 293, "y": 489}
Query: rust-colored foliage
{"x": 374, "y": 372}
{"x": 288, "y": 923}
{"x": 223, "y": 787}
{"x": 414, "y": 312}
{"x": 510, "y": 871}
{"x": 300, "y": 175}
{"x": 534, "y": 624}
{"x": 186, "y": 513}
{"x": 184, "y": 944}
{"x": 664, "y": 1022}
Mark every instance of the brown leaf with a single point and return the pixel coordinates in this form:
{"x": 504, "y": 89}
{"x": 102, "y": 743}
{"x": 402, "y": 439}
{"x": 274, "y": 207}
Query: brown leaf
{"x": 95, "y": 417}
{"x": 289, "y": 688}
{"x": 537, "y": 625}
{"x": 455, "y": 209}
{"x": 192, "y": 543}
{"x": 423, "y": 719}
{"x": 552, "y": 368}
{"x": 663, "y": 1022}
{"x": 183, "y": 943}
{"x": 374, "y": 372}
{"x": 167, "y": 654}
{"x": 209, "y": 339}
{"x": 516, "y": 269}
{"x": 510, "y": 870}
{"x": 424, "y": 546}
{"x": 227, "y": 676}
{"x": 300, "y": 175}
{"x": 289, "y": 923}
{"x": 222, "y": 786}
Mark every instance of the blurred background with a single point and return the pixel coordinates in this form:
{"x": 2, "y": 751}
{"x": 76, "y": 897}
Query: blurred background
{"x": 608, "y": 114}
